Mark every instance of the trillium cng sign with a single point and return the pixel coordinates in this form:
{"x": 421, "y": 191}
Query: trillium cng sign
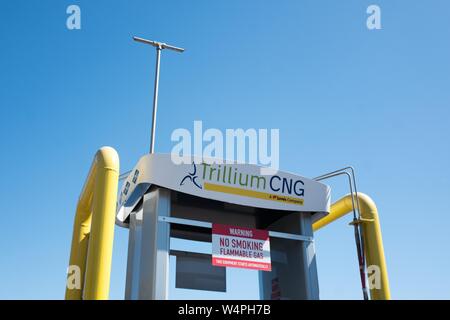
{"x": 240, "y": 247}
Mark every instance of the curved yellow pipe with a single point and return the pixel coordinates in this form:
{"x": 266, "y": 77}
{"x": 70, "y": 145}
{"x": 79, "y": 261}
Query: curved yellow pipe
{"x": 373, "y": 242}
{"x": 93, "y": 229}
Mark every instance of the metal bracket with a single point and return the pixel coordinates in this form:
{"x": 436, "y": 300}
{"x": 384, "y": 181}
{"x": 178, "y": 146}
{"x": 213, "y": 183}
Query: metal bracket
{"x": 360, "y": 221}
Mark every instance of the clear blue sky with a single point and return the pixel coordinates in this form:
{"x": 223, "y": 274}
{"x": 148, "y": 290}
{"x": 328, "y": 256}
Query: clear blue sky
{"x": 339, "y": 93}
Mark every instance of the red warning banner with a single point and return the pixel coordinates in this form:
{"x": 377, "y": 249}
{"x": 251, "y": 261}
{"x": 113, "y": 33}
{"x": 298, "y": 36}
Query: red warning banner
{"x": 240, "y": 247}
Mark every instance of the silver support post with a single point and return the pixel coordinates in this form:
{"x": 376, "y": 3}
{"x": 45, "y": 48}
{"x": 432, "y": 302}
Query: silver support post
{"x": 155, "y": 98}
{"x": 159, "y": 47}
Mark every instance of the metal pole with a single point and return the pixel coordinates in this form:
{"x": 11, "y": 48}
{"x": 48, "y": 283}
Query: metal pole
{"x": 159, "y": 47}
{"x": 155, "y": 98}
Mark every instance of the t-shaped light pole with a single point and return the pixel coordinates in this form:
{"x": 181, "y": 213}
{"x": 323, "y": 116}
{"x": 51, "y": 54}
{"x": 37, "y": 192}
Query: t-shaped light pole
{"x": 159, "y": 47}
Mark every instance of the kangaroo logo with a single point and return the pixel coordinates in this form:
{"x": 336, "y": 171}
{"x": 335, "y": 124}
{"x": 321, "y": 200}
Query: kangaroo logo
{"x": 192, "y": 176}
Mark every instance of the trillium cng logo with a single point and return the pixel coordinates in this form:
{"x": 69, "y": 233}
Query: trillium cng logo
{"x": 192, "y": 176}
{"x": 228, "y": 179}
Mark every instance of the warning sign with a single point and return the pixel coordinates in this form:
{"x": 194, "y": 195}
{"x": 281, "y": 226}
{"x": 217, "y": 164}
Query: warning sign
{"x": 240, "y": 247}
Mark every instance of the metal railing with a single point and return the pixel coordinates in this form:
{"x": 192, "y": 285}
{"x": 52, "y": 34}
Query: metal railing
{"x": 93, "y": 230}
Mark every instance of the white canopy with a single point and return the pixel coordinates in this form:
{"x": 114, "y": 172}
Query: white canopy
{"x": 242, "y": 184}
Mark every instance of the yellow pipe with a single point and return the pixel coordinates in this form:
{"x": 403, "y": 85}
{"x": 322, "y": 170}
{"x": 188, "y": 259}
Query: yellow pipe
{"x": 93, "y": 230}
{"x": 373, "y": 242}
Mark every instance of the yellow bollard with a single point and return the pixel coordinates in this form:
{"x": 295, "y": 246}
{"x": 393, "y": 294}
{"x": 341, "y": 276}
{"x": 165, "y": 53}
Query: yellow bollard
{"x": 373, "y": 242}
{"x": 93, "y": 230}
